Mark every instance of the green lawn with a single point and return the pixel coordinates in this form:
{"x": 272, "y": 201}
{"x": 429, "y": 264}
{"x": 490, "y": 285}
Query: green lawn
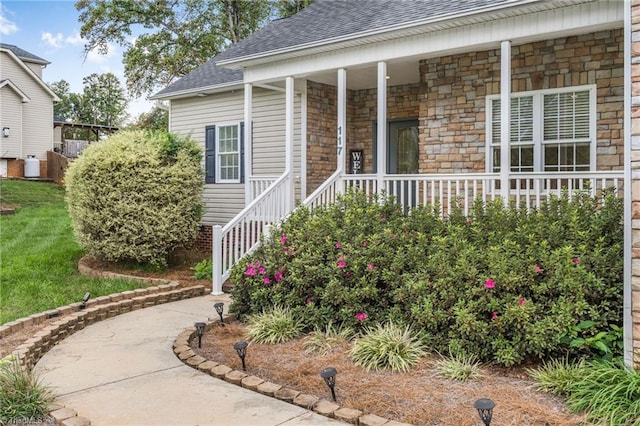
{"x": 38, "y": 254}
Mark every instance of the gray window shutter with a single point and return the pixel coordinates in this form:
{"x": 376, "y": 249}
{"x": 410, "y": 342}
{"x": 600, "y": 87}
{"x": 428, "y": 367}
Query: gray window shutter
{"x": 210, "y": 154}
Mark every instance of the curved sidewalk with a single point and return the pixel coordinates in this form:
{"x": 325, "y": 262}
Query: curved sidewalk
{"x": 122, "y": 371}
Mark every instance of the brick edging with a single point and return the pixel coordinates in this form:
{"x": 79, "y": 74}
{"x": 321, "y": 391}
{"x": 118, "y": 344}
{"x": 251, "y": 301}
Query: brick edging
{"x": 73, "y": 319}
{"x": 183, "y": 351}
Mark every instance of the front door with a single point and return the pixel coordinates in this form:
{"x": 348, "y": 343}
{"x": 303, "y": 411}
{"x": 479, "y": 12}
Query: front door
{"x": 402, "y": 150}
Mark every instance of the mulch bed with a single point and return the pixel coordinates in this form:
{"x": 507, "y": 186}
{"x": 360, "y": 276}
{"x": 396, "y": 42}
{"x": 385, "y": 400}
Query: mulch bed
{"x": 418, "y": 397}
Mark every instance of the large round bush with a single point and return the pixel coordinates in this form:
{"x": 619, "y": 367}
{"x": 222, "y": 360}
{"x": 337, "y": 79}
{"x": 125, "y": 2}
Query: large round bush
{"x": 136, "y": 196}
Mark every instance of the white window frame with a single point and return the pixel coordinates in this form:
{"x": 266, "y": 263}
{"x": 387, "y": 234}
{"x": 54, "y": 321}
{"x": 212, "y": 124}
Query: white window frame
{"x": 218, "y": 153}
{"x": 538, "y": 111}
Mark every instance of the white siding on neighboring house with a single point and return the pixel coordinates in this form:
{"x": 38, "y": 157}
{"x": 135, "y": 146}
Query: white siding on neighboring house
{"x": 11, "y": 117}
{"x": 37, "y": 118}
{"x": 189, "y": 116}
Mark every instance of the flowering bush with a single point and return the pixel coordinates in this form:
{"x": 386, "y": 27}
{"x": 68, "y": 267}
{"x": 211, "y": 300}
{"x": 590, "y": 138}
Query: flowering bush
{"x": 501, "y": 284}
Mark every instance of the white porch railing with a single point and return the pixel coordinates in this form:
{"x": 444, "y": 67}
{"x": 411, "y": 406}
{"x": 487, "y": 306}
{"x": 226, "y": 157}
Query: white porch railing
{"x": 242, "y": 234}
{"x": 259, "y": 184}
{"x": 528, "y": 189}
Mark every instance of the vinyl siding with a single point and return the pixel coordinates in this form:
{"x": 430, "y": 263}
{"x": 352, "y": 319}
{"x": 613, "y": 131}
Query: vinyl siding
{"x": 11, "y": 117}
{"x": 37, "y": 114}
{"x": 189, "y": 116}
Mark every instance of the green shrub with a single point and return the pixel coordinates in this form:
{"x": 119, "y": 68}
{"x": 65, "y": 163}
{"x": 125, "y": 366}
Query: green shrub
{"x": 275, "y": 326}
{"x": 609, "y": 393}
{"x": 322, "y": 341}
{"x": 203, "y": 270}
{"x": 459, "y": 367}
{"x": 502, "y": 284}
{"x": 22, "y": 396}
{"x": 136, "y": 196}
{"x": 389, "y": 347}
{"x": 557, "y": 376}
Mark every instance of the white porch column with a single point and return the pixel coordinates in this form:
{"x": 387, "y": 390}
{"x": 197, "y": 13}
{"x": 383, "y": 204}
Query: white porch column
{"x": 381, "y": 166}
{"x": 289, "y": 97}
{"x": 341, "y": 136}
{"x": 505, "y": 119}
{"x": 248, "y": 144}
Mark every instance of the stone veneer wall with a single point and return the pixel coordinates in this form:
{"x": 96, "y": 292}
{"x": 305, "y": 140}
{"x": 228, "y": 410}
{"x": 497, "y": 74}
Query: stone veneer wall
{"x": 452, "y": 106}
{"x": 635, "y": 171}
{"x": 322, "y": 124}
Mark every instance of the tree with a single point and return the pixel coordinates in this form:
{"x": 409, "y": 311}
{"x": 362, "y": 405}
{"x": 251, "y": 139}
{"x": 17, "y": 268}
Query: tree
{"x": 136, "y": 196}
{"x": 286, "y": 8}
{"x": 174, "y": 36}
{"x": 156, "y": 119}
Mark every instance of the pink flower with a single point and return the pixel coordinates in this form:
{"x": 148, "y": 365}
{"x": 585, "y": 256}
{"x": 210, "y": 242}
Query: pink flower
{"x": 576, "y": 260}
{"x": 348, "y": 274}
{"x": 342, "y": 264}
{"x": 261, "y": 271}
{"x": 489, "y": 283}
{"x": 537, "y": 268}
{"x": 338, "y": 245}
{"x": 266, "y": 280}
{"x": 371, "y": 266}
{"x": 361, "y": 316}
{"x": 278, "y": 276}
{"x": 250, "y": 271}
{"x": 287, "y": 250}
{"x": 521, "y": 301}
{"x": 283, "y": 239}
{"x": 307, "y": 300}
{"x": 494, "y": 316}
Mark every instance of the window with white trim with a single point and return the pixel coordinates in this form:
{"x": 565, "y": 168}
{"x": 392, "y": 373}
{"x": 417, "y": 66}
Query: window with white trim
{"x": 224, "y": 153}
{"x": 551, "y": 130}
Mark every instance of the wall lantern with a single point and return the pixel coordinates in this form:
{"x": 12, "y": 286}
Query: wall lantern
{"x": 329, "y": 376}
{"x": 485, "y": 409}
{"x": 199, "y": 332}
{"x": 5, "y": 132}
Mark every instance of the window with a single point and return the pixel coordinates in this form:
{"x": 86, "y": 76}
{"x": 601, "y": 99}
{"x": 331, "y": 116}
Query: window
{"x": 224, "y": 153}
{"x": 551, "y": 130}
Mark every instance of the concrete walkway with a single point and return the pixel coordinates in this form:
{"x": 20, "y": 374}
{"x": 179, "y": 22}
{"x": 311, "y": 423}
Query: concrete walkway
{"x": 122, "y": 371}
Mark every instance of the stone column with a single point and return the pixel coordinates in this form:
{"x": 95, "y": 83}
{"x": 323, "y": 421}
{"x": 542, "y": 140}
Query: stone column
{"x": 633, "y": 336}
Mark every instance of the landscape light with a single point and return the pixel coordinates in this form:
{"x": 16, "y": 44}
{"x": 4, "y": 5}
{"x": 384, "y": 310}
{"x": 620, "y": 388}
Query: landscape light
{"x": 485, "y": 409}
{"x": 241, "y": 348}
{"x": 219, "y": 307}
{"x": 199, "y": 332}
{"x": 85, "y": 299}
{"x": 329, "y": 376}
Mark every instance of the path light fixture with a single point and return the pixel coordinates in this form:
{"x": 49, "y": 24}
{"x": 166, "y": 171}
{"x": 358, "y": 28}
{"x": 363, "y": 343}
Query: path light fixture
{"x": 329, "y": 376}
{"x": 85, "y": 299}
{"x": 241, "y": 348}
{"x": 219, "y": 307}
{"x": 485, "y": 409}
{"x": 199, "y": 332}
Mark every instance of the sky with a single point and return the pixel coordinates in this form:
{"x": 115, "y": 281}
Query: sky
{"x": 50, "y": 30}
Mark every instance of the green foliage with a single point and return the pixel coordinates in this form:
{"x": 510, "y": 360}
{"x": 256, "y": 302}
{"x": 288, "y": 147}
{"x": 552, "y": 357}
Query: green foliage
{"x": 275, "y": 326}
{"x": 136, "y": 196}
{"x": 322, "y": 341}
{"x": 502, "y": 284}
{"x": 557, "y": 375}
{"x": 156, "y": 119}
{"x": 609, "y": 393}
{"x": 459, "y": 367}
{"x": 606, "y": 343}
{"x": 203, "y": 270}
{"x": 22, "y": 395}
{"x": 387, "y": 346}
{"x": 40, "y": 255}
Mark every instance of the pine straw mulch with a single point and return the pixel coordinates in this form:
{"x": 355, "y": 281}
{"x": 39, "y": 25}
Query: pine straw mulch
{"x": 418, "y": 397}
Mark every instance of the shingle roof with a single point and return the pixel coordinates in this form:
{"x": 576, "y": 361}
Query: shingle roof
{"x": 23, "y": 54}
{"x": 330, "y": 19}
{"x": 323, "y": 20}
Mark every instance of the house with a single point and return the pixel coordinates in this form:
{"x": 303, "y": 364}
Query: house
{"x": 422, "y": 99}
{"x": 26, "y": 113}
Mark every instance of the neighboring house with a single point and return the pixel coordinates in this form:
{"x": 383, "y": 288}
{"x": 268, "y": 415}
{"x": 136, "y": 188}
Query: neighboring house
{"x": 406, "y": 97}
{"x": 26, "y": 112}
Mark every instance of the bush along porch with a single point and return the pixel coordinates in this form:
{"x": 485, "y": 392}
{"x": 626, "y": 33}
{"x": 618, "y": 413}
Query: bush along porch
{"x": 506, "y": 284}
